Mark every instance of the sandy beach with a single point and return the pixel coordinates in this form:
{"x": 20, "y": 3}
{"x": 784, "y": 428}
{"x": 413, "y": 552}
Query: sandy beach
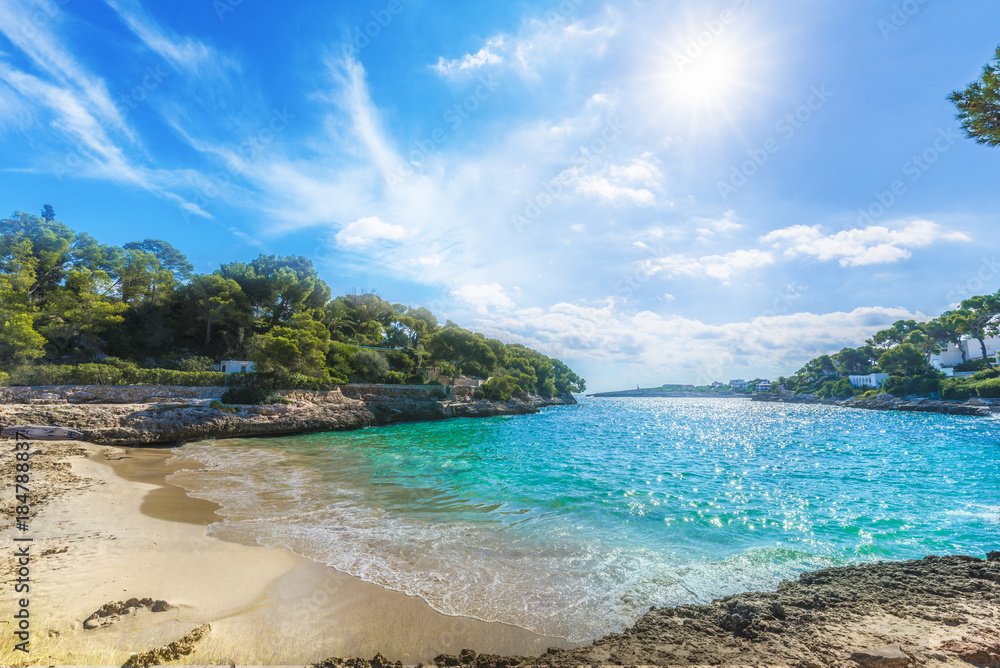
{"x": 109, "y": 528}
{"x": 120, "y": 563}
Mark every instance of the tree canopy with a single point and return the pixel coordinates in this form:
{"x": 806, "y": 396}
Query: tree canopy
{"x": 979, "y": 105}
{"x": 67, "y": 299}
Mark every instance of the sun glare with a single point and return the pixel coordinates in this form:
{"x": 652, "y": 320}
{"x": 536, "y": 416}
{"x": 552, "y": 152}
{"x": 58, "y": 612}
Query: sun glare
{"x": 712, "y": 79}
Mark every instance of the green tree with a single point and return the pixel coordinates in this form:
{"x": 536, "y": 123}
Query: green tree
{"x": 19, "y": 342}
{"x": 467, "y": 351}
{"x": 300, "y": 347}
{"x": 170, "y": 258}
{"x": 903, "y": 360}
{"x": 279, "y": 288}
{"x": 370, "y": 365}
{"x": 218, "y": 302}
{"x": 979, "y": 105}
{"x": 853, "y": 361}
{"x": 977, "y": 317}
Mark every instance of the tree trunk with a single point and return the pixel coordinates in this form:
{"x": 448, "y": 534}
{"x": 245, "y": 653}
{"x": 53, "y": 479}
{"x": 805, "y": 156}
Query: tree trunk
{"x": 982, "y": 344}
{"x": 208, "y": 329}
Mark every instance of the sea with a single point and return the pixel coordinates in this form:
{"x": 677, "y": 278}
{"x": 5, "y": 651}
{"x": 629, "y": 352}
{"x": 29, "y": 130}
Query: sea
{"x": 574, "y": 521}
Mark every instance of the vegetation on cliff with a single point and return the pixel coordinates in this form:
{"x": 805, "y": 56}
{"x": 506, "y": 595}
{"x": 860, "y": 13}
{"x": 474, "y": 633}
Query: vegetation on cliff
{"x": 74, "y": 310}
{"x": 904, "y": 352}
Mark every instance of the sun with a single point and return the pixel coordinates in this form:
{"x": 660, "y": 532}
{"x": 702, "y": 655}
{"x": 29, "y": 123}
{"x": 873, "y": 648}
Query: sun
{"x": 712, "y": 79}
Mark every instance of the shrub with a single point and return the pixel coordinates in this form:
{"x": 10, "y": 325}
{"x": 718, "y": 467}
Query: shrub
{"x": 971, "y": 365}
{"x": 478, "y": 394}
{"x": 254, "y": 396}
{"x": 956, "y": 389}
{"x": 919, "y": 385}
{"x": 985, "y": 374}
{"x": 989, "y": 388}
{"x": 219, "y": 406}
{"x": 195, "y": 363}
{"x": 415, "y": 379}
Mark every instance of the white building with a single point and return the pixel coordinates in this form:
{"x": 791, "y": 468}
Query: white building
{"x": 738, "y": 384}
{"x": 762, "y": 386}
{"x": 871, "y": 380}
{"x": 953, "y": 356}
{"x": 236, "y": 366}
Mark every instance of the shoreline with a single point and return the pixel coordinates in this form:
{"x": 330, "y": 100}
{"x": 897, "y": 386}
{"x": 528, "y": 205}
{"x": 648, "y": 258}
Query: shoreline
{"x": 972, "y": 407}
{"x": 111, "y": 528}
{"x": 128, "y": 533}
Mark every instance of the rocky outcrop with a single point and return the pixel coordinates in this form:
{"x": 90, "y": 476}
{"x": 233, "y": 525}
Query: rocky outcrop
{"x": 887, "y": 402}
{"x": 172, "y": 652}
{"x": 179, "y": 421}
{"x": 934, "y": 611}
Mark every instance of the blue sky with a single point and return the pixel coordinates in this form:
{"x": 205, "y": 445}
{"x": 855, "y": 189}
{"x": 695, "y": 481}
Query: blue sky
{"x": 652, "y": 191}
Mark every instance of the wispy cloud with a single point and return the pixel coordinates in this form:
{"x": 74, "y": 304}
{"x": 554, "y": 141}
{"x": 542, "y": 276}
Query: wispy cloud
{"x": 181, "y": 52}
{"x": 490, "y": 54}
{"x": 536, "y": 45}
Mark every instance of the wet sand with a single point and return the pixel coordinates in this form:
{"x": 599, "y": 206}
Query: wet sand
{"x": 130, "y": 533}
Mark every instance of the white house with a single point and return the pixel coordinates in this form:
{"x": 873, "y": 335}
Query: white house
{"x": 236, "y": 366}
{"x": 871, "y": 380}
{"x": 762, "y": 386}
{"x": 953, "y": 356}
{"x": 738, "y": 384}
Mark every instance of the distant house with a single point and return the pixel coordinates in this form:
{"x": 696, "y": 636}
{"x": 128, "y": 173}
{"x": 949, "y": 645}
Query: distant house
{"x": 871, "y": 380}
{"x": 739, "y": 384}
{"x": 236, "y": 366}
{"x": 762, "y": 386}
{"x": 963, "y": 351}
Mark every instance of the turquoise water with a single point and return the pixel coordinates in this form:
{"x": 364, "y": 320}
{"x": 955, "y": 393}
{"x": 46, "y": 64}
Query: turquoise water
{"x": 574, "y": 521}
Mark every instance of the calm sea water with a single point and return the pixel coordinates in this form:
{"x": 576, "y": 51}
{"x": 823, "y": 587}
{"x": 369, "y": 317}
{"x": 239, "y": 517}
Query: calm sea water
{"x": 574, "y": 521}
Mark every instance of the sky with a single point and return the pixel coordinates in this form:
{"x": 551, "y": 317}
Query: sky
{"x": 653, "y": 192}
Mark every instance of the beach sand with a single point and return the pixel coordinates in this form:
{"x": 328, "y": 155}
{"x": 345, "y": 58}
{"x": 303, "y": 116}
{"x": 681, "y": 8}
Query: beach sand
{"x": 110, "y": 528}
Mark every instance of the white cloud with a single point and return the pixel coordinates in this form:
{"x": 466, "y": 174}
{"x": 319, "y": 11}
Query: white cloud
{"x": 708, "y": 228}
{"x": 472, "y": 61}
{"x": 858, "y": 247}
{"x": 482, "y": 297}
{"x": 721, "y": 267}
{"x": 536, "y": 44}
{"x": 687, "y": 349}
{"x": 632, "y": 182}
{"x": 366, "y": 232}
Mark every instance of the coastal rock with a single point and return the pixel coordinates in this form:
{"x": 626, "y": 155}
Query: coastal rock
{"x": 892, "y": 656}
{"x": 981, "y": 649}
{"x": 820, "y": 619}
{"x": 112, "y": 612}
{"x": 886, "y": 402}
{"x": 173, "y": 651}
{"x": 175, "y": 423}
